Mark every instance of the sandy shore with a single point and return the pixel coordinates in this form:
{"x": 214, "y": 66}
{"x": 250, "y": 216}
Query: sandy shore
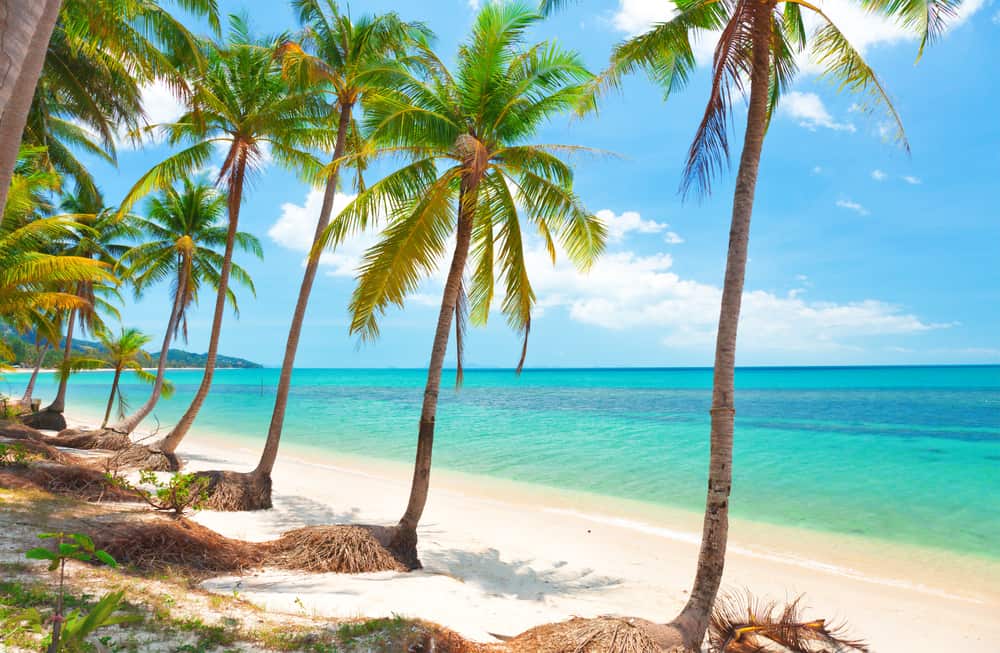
{"x": 502, "y": 557}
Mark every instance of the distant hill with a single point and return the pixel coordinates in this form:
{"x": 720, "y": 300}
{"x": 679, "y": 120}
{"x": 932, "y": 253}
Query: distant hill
{"x": 24, "y": 354}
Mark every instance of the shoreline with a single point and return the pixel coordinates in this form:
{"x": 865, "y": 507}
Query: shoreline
{"x": 502, "y": 556}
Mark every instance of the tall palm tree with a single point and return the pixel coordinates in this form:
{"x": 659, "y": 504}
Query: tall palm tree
{"x": 474, "y": 176}
{"x": 103, "y": 240}
{"x": 243, "y": 102}
{"x": 125, "y": 352}
{"x": 347, "y": 60}
{"x": 756, "y": 53}
{"x": 95, "y": 54}
{"x": 26, "y": 30}
{"x": 182, "y": 232}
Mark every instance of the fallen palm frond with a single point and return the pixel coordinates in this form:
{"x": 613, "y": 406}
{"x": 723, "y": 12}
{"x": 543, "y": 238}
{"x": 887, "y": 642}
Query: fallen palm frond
{"x": 76, "y": 481}
{"x": 16, "y": 431}
{"x": 745, "y": 624}
{"x": 156, "y": 543}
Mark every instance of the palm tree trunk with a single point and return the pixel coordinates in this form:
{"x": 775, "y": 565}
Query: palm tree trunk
{"x": 270, "y": 453}
{"x": 25, "y": 30}
{"x": 176, "y": 435}
{"x": 130, "y": 423}
{"x": 30, "y": 388}
{"x": 693, "y": 619}
{"x": 58, "y": 404}
{"x": 111, "y": 399}
{"x": 404, "y": 541}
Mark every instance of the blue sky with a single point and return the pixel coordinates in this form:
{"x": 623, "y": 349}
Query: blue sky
{"x": 859, "y": 254}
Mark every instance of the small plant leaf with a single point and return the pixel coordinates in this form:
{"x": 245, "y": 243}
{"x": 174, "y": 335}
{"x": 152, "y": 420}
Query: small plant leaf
{"x": 41, "y": 553}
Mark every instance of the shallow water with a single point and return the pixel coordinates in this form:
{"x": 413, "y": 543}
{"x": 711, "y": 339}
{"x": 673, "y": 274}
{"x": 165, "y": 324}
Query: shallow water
{"x": 904, "y": 454}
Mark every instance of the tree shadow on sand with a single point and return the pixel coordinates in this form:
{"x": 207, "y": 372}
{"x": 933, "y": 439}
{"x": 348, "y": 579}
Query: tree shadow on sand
{"x": 520, "y": 579}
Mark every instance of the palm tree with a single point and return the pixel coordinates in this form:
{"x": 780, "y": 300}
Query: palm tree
{"x": 103, "y": 240}
{"x": 472, "y": 168}
{"x": 182, "y": 234}
{"x": 25, "y": 34}
{"x": 93, "y": 55}
{"x": 243, "y": 102}
{"x": 758, "y": 45}
{"x": 125, "y": 352}
{"x": 347, "y": 60}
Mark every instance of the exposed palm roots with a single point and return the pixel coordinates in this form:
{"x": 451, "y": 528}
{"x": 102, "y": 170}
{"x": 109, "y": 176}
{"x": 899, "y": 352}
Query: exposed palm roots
{"x": 598, "y": 635}
{"x": 158, "y": 542}
{"x": 236, "y": 491}
{"x": 140, "y": 456}
{"x": 342, "y": 548}
{"x": 105, "y": 439}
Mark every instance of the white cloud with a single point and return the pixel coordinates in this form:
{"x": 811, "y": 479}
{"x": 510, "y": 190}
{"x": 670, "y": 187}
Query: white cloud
{"x": 625, "y": 290}
{"x": 809, "y": 111}
{"x": 296, "y": 227}
{"x": 672, "y": 238}
{"x": 817, "y": 170}
{"x": 636, "y": 16}
{"x": 853, "y": 206}
{"x": 629, "y": 221}
{"x": 910, "y": 179}
{"x": 473, "y": 5}
{"x": 878, "y": 175}
{"x": 161, "y": 106}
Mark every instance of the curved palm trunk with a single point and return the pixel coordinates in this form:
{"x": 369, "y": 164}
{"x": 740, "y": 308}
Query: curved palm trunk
{"x": 111, "y": 398}
{"x": 176, "y": 435}
{"x": 130, "y": 423}
{"x": 30, "y": 388}
{"x": 693, "y": 619}
{"x": 404, "y": 539}
{"x": 270, "y": 453}
{"x": 24, "y": 40}
{"x": 58, "y": 404}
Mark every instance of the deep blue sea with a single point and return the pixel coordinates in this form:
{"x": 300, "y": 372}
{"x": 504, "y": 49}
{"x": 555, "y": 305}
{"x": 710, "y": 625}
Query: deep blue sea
{"x": 904, "y": 454}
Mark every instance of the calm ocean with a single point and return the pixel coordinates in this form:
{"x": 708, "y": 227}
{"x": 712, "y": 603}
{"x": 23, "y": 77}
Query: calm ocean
{"x": 904, "y": 454}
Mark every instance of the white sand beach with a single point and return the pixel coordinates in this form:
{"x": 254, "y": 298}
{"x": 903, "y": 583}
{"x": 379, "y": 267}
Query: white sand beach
{"x": 502, "y": 557}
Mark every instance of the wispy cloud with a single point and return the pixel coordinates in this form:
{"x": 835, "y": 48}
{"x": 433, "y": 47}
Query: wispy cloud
{"x": 878, "y": 175}
{"x": 619, "y": 225}
{"x": 851, "y": 205}
{"x": 810, "y": 112}
{"x": 910, "y": 179}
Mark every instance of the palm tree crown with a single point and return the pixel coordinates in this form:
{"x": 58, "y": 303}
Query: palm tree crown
{"x": 183, "y": 231}
{"x": 467, "y": 134}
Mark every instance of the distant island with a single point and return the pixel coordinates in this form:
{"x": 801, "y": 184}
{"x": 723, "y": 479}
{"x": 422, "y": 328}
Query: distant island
{"x": 24, "y": 354}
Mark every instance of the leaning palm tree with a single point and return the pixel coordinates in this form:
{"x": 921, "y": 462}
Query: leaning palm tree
{"x": 183, "y": 232}
{"x": 756, "y": 54}
{"x": 102, "y": 239}
{"x": 474, "y": 176}
{"x": 241, "y": 101}
{"x": 93, "y": 56}
{"x": 125, "y": 352}
{"x": 347, "y": 60}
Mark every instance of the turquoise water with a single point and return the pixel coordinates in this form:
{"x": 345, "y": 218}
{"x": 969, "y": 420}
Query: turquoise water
{"x": 905, "y": 454}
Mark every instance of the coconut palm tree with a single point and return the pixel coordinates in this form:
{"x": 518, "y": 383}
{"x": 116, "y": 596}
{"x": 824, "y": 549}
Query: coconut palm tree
{"x": 756, "y": 54}
{"x": 347, "y": 60}
{"x": 125, "y": 352}
{"x": 243, "y": 103}
{"x": 104, "y": 240}
{"x": 474, "y": 176}
{"x": 183, "y": 232}
{"x": 94, "y": 55}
